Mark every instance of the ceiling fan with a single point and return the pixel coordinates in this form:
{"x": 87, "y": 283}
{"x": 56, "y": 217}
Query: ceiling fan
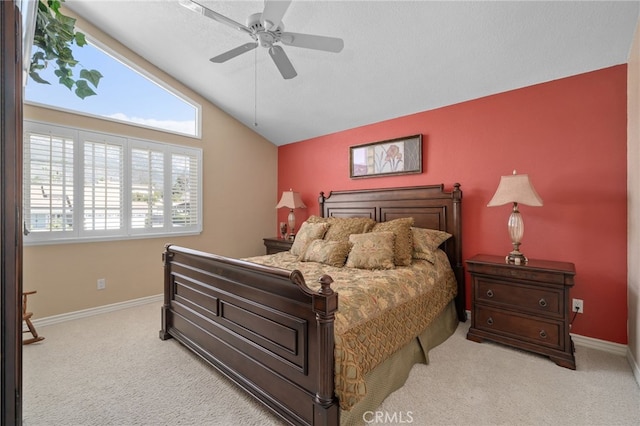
{"x": 267, "y": 29}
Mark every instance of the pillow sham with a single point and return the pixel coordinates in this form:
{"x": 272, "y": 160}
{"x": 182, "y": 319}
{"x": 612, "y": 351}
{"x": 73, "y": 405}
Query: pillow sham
{"x": 333, "y": 253}
{"x": 426, "y": 242}
{"x": 373, "y": 250}
{"x": 403, "y": 238}
{"x": 307, "y": 233}
{"x": 341, "y": 227}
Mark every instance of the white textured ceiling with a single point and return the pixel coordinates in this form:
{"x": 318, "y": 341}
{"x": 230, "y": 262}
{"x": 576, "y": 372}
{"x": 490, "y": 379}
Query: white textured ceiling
{"x": 400, "y": 57}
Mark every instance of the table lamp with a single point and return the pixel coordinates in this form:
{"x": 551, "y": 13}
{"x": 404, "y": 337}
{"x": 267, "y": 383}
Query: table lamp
{"x": 291, "y": 200}
{"x": 516, "y": 189}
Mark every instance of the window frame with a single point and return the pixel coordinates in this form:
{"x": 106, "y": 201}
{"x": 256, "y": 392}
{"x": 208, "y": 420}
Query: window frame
{"x": 142, "y": 72}
{"x": 126, "y": 231}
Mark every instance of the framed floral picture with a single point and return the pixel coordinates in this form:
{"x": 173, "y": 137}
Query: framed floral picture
{"x": 391, "y": 157}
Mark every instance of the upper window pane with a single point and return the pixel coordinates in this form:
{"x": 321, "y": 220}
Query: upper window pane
{"x": 122, "y": 95}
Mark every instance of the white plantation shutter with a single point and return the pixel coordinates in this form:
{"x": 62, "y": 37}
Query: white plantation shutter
{"x": 185, "y": 190}
{"x": 103, "y": 183}
{"x": 49, "y": 171}
{"x": 147, "y": 188}
{"x": 92, "y": 186}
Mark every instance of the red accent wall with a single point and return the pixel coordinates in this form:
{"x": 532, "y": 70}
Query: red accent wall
{"x": 569, "y": 135}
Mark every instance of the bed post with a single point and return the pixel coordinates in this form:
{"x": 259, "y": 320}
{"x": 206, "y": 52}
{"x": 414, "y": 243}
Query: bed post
{"x": 458, "y": 268}
{"x": 166, "y": 258}
{"x": 325, "y": 305}
{"x": 321, "y": 199}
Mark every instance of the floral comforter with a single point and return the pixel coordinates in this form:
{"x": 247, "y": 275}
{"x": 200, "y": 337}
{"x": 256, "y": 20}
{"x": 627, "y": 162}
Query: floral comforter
{"x": 379, "y": 311}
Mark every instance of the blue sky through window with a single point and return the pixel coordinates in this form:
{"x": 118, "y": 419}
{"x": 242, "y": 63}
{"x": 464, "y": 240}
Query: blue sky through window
{"x": 123, "y": 94}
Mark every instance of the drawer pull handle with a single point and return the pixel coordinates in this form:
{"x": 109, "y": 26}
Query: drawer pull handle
{"x": 542, "y": 303}
{"x": 490, "y": 321}
{"x": 489, "y": 293}
{"x": 543, "y": 334}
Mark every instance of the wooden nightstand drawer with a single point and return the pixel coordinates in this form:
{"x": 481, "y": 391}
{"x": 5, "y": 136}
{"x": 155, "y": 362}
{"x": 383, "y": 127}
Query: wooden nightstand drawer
{"x": 538, "y": 300}
{"x": 521, "y": 273}
{"x": 534, "y": 330}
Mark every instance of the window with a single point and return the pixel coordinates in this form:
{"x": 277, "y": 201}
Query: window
{"x": 81, "y": 185}
{"x": 103, "y": 183}
{"x": 149, "y": 102}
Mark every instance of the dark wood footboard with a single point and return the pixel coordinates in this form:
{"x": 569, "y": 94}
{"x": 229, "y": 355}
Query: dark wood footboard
{"x": 260, "y": 326}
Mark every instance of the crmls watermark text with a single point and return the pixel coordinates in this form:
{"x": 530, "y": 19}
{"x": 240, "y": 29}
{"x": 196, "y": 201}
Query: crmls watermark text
{"x": 385, "y": 417}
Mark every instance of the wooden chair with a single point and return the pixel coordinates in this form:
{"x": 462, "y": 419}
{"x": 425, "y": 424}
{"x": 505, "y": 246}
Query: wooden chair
{"x": 26, "y": 317}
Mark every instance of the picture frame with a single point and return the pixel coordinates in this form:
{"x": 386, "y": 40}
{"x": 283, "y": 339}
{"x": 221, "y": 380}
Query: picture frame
{"x": 398, "y": 156}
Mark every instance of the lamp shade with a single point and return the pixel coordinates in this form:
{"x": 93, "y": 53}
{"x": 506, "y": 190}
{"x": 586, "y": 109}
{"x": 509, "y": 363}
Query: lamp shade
{"x": 515, "y": 189}
{"x": 291, "y": 200}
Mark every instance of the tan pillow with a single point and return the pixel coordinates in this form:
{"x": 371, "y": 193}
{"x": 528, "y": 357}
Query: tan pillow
{"x": 426, "y": 242}
{"x": 372, "y": 251}
{"x": 404, "y": 238}
{"x": 342, "y": 227}
{"x": 307, "y": 233}
{"x": 332, "y": 253}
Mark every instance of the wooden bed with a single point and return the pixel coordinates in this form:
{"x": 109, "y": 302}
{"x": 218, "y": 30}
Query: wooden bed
{"x": 265, "y": 329}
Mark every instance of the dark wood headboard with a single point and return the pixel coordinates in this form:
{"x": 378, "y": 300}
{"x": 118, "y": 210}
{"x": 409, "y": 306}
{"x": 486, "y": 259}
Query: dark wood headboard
{"x": 430, "y": 206}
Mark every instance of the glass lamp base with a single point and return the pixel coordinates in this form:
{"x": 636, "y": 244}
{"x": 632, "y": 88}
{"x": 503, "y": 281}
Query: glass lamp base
{"x": 292, "y": 225}
{"x": 516, "y": 258}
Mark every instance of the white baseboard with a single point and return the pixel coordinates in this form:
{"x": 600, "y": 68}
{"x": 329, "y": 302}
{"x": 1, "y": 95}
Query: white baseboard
{"x": 634, "y": 366}
{"x": 55, "y": 319}
{"x": 602, "y": 345}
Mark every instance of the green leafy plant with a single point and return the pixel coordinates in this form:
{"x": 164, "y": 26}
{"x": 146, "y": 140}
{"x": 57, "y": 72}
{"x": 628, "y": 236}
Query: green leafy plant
{"x": 54, "y": 35}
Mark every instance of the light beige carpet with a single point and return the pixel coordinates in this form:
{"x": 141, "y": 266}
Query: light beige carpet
{"x": 112, "y": 369}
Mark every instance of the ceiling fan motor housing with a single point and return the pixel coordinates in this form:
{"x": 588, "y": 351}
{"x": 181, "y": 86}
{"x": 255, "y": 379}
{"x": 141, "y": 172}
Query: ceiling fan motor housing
{"x": 265, "y": 37}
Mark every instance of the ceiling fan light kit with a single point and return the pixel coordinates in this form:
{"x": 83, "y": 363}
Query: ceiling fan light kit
{"x": 267, "y": 29}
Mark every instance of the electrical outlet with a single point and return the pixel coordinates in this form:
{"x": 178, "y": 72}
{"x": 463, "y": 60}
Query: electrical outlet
{"x": 102, "y": 283}
{"x": 578, "y": 305}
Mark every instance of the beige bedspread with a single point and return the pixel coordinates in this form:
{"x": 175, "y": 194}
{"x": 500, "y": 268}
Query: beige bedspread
{"x": 379, "y": 311}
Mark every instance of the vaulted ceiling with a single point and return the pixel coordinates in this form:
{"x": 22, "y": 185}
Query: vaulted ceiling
{"x": 399, "y": 57}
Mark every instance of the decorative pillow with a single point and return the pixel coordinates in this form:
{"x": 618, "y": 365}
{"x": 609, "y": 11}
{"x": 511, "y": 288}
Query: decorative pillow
{"x": 332, "y": 253}
{"x": 307, "y": 233}
{"x": 404, "y": 238}
{"x": 342, "y": 227}
{"x": 373, "y": 250}
{"x": 426, "y": 242}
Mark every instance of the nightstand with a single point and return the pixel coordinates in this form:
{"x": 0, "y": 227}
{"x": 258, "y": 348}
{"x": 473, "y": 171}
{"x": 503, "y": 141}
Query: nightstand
{"x": 275, "y": 244}
{"x": 523, "y": 306}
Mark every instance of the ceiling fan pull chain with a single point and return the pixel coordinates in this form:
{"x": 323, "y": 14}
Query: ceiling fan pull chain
{"x": 255, "y": 89}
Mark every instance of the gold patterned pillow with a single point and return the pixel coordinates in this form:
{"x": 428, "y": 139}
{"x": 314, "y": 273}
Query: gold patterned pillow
{"x": 426, "y": 242}
{"x": 307, "y": 233}
{"x": 404, "y": 238}
{"x": 332, "y": 253}
{"x": 342, "y": 227}
{"x": 373, "y": 250}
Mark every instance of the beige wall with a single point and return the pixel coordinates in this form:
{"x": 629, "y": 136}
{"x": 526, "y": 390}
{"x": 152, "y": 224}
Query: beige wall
{"x": 239, "y": 192}
{"x": 633, "y": 188}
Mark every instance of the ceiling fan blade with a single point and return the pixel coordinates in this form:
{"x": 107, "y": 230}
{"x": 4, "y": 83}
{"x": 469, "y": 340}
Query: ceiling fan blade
{"x": 198, "y": 8}
{"x": 273, "y": 12}
{"x": 282, "y": 62}
{"x": 308, "y": 41}
{"x": 233, "y": 53}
